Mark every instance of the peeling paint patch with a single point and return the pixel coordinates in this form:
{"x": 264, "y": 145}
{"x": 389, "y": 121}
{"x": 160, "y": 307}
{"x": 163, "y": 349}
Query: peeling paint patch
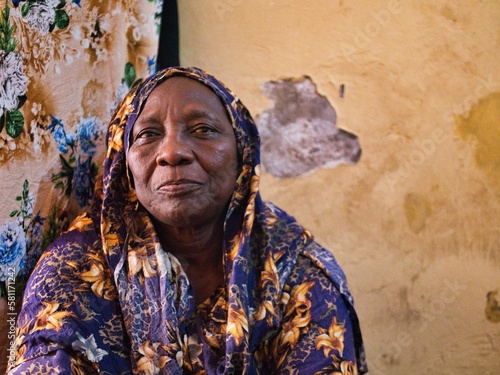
{"x": 481, "y": 126}
{"x": 492, "y": 310}
{"x": 417, "y": 210}
{"x": 298, "y": 134}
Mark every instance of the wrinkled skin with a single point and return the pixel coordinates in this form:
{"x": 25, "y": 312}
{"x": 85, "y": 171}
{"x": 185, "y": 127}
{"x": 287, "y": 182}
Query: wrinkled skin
{"x": 183, "y": 156}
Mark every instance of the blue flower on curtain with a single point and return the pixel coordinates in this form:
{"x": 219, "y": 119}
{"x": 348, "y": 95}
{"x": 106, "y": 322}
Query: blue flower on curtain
{"x": 78, "y": 170}
{"x": 86, "y": 134}
{"x": 12, "y": 249}
{"x": 151, "y": 64}
{"x": 34, "y": 244}
{"x": 21, "y": 240}
{"x": 57, "y": 129}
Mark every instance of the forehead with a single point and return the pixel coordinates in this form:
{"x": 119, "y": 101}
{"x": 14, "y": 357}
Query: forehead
{"x": 183, "y": 90}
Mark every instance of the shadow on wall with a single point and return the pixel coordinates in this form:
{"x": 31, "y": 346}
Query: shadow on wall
{"x": 298, "y": 134}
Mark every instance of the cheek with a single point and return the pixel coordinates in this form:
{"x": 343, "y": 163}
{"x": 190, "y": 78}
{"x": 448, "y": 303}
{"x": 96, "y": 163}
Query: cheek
{"x": 137, "y": 168}
{"x": 227, "y": 171}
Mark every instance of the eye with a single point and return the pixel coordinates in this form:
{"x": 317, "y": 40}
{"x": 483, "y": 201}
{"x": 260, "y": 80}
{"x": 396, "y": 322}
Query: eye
{"x": 146, "y": 134}
{"x": 204, "y": 129}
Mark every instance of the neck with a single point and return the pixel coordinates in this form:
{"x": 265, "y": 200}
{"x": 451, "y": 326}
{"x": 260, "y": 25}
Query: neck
{"x": 191, "y": 243}
{"x": 199, "y": 250}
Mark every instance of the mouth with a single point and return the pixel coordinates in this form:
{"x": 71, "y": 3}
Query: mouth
{"x": 179, "y": 187}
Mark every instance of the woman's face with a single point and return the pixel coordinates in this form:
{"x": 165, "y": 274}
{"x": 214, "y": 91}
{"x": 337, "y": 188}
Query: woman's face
{"x": 183, "y": 156}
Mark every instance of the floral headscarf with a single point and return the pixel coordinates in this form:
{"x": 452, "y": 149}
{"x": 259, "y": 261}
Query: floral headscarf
{"x": 114, "y": 257}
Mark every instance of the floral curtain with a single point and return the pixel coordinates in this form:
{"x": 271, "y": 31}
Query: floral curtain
{"x": 64, "y": 65}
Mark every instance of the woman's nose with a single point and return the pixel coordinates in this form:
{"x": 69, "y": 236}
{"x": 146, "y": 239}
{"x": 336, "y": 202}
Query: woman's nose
{"x": 174, "y": 150}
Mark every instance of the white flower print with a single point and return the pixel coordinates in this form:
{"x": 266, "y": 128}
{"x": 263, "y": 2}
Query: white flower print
{"x": 13, "y": 81}
{"x": 89, "y": 348}
{"x": 42, "y": 14}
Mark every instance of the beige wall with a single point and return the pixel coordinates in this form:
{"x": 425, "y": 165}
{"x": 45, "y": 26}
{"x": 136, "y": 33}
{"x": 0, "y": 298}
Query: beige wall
{"x": 415, "y": 223}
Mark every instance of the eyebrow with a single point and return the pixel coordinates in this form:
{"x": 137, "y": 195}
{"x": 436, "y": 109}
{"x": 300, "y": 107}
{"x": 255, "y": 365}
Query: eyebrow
{"x": 192, "y": 111}
{"x": 198, "y": 112}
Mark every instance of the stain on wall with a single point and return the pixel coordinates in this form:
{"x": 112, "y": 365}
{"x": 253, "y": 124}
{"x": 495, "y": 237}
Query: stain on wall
{"x": 299, "y": 132}
{"x": 480, "y": 125}
{"x": 492, "y": 310}
{"x": 417, "y": 210}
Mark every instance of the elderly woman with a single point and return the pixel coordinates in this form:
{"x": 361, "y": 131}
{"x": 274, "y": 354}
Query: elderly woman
{"x": 180, "y": 267}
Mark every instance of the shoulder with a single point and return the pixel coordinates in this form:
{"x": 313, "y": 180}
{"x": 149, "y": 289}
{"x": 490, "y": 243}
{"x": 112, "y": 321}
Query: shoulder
{"x": 282, "y": 227}
{"x": 73, "y": 244}
{"x": 317, "y": 271}
{"x": 286, "y": 238}
{"x": 318, "y": 318}
{"x": 317, "y": 308}
{"x": 293, "y": 244}
{"x": 324, "y": 260}
{"x": 73, "y": 263}
{"x": 70, "y": 306}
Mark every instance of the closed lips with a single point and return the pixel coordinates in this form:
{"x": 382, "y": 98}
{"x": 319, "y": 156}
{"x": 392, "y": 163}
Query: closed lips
{"x": 179, "y": 185}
